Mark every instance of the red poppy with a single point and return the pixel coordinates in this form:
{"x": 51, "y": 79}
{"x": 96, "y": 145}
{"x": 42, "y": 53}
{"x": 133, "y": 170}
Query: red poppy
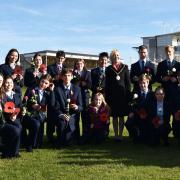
{"x": 9, "y": 107}
{"x": 43, "y": 108}
{"x": 73, "y": 101}
{"x": 177, "y": 116}
{"x": 156, "y": 122}
{"x": 42, "y": 68}
{"x": 18, "y": 70}
{"x": 104, "y": 117}
{"x": 142, "y": 113}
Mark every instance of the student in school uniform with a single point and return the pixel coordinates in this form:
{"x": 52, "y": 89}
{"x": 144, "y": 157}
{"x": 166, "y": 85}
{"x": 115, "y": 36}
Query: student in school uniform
{"x": 137, "y": 123}
{"x": 99, "y": 117}
{"x": 68, "y": 105}
{"x": 55, "y": 69}
{"x": 36, "y": 107}
{"x": 98, "y": 74}
{"x": 167, "y": 72}
{"x": 82, "y": 78}
{"x": 11, "y": 130}
{"x": 159, "y": 115}
{"x": 33, "y": 74}
{"x": 175, "y": 102}
{"x": 11, "y": 68}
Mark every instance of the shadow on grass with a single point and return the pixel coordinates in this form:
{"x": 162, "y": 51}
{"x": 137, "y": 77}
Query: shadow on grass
{"x": 125, "y": 153}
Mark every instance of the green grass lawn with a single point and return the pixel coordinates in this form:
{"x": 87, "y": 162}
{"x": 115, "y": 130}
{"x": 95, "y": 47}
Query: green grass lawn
{"x": 110, "y": 160}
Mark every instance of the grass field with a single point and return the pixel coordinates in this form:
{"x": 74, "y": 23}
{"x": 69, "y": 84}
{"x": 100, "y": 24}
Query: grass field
{"x": 110, "y": 160}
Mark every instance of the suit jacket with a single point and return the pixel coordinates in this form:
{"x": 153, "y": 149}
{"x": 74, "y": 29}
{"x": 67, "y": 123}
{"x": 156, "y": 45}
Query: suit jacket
{"x": 53, "y": 70}
{"x": 162, "y": 70}
{"x": 61, "y": 99}
{"x": 48, "y": 99}
{"x": 140, "y": 102}
{"x": 98, "y": 80}
{"x": 152, "y": 109}
{"x": 61, "y": 102}
{"x": 175, "y": 100}
{"x": 18, "y": 104}
{"x": 85, "y": 76}
{"x": 137, "y": 71}
{"x": 29, "y": 80}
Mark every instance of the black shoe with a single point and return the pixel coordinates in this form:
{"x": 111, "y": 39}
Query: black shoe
{"x": 166, "y": 144}
{"x": 29, "y": 149}
{"x": 17, "y": 156}
{"x": 5, "y": 156}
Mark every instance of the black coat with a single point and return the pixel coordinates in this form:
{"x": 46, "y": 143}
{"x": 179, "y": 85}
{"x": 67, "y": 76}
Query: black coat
{"x": 162, "y": 70}
{"x": 29, "y": 80}
{"x": 86, "y": 77}
{"x": 61, "y": 103}
{"x": 6, "y": 71}
{"x": 137, "y": 71}
{"x": 53, "y": 70}
{"x": 98, "y": 80}
{"x": 117, "y": 92}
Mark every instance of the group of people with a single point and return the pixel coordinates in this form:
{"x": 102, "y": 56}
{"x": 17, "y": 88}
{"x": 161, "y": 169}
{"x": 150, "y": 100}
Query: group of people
{"x": 61, "y": 96}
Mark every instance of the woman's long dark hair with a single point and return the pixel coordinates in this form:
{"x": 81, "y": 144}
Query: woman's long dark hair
{"x": 8, "y": 54}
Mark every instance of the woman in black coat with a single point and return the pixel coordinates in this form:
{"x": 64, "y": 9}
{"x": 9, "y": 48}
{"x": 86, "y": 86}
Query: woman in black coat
{"x": 117, "y": 90}
{"x": 11, "y": 69}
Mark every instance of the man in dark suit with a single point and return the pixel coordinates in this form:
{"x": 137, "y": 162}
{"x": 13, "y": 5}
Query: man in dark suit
{"x": 167, "y": 71}
{"x": 68, "y": 104}
{"x": 142, "y": 66}
{"x": 98, "y": 74}
{"x": 55, "y": 69}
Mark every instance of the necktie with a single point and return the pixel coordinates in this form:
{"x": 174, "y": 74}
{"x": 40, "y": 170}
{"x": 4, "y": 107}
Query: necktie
{"x": 67, "y": 92}
{"x": 59, "y": 68}
{"x": 144, "y": 96}
{"x": 170, "y": 64}
{"x": 142, "y": 65}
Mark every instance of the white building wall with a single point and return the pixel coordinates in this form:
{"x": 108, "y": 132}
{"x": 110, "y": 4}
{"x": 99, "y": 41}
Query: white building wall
{"x": 164, "y": 40}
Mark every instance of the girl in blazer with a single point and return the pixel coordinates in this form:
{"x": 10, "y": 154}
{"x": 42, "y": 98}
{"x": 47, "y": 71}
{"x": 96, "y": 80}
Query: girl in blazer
{"x": 11, "y": 130}
{"x": 11, "y": 69}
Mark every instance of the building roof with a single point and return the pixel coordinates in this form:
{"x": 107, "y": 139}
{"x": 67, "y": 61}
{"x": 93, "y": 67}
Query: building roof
{"x": 68, "y": 54}
{"x": 174, "y": 33}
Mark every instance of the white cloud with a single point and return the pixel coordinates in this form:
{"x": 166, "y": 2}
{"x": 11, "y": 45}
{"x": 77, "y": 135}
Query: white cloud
{"x": 29, "y": 11}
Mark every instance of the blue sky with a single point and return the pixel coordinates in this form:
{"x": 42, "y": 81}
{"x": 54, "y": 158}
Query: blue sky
{"x": 84, "y": 26}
